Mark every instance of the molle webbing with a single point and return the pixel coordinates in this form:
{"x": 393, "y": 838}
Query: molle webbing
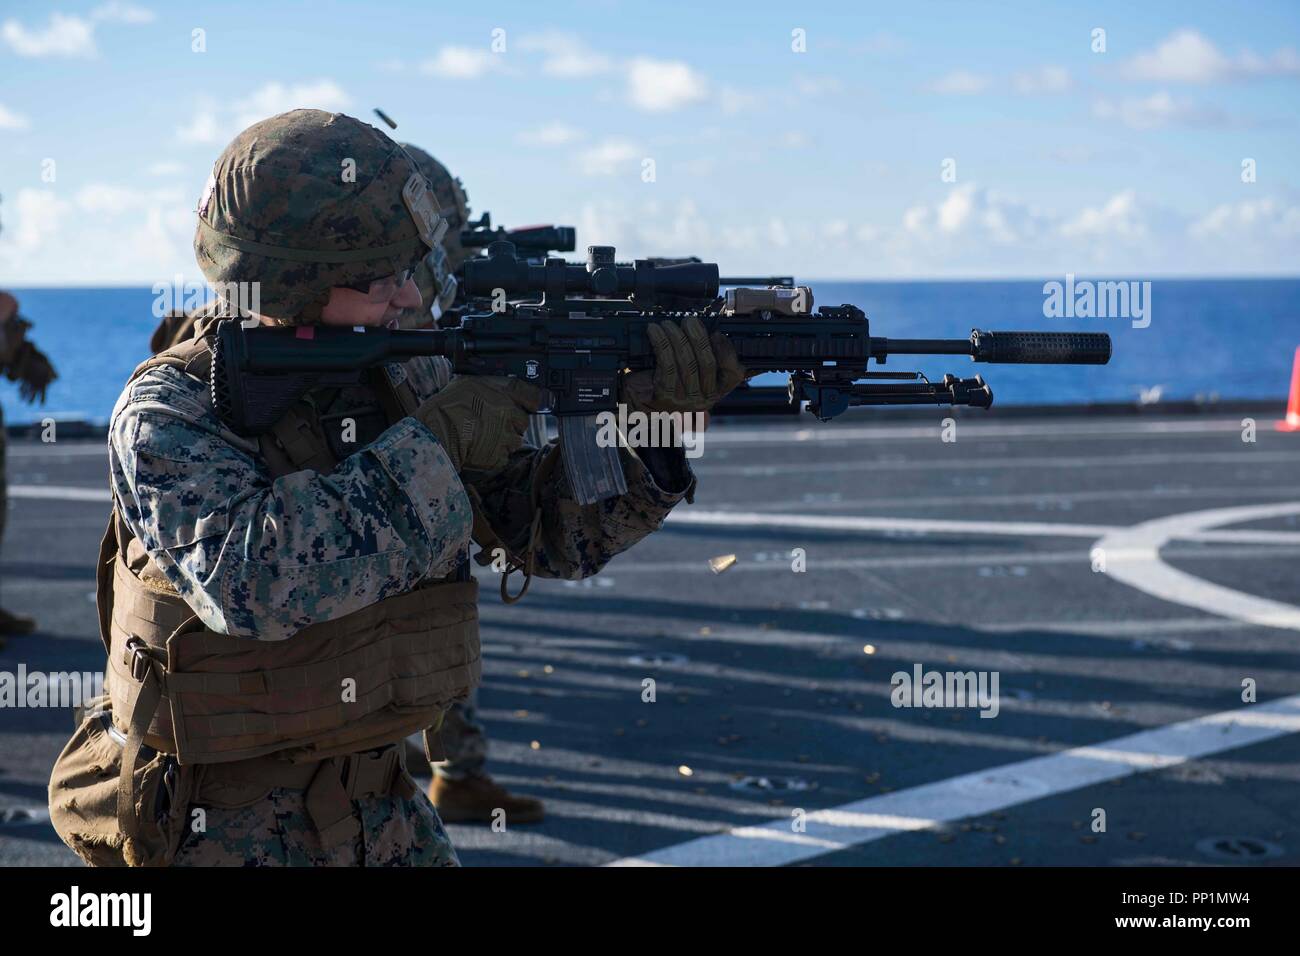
{"x": 335, "y": 687}
{"x": 184, "y": 689}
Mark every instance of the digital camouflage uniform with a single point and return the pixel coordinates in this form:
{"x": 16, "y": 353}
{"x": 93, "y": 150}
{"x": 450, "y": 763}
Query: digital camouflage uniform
{"x": 463, "y": 736}
{"x": 261, "y": 557}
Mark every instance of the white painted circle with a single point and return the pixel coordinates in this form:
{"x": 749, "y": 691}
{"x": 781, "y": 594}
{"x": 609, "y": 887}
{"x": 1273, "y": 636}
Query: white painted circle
{"x": 1132, "y": 555}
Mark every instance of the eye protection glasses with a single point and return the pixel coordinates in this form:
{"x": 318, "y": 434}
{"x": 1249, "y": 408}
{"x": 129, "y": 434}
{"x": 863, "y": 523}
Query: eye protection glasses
{"x": 384, "y": 288}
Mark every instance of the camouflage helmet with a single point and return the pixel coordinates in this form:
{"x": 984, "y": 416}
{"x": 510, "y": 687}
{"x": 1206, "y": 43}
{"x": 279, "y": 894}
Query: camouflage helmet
{"x": 452, "y": 201}
{"x": 308, "y": 200}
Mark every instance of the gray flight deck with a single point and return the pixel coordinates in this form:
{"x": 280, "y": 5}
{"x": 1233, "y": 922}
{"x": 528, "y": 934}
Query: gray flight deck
{"x": 1120, "y": 686}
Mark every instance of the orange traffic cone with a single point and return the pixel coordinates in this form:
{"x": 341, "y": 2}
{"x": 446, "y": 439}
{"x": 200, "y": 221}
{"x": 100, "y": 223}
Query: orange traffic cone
{"x": 1292, "y": 421}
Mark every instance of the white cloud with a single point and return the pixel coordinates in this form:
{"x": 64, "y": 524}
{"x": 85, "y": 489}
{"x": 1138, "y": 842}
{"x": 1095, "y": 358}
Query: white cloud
{"x": 273, "y": 98}
{"x": 106, "y": 199}
{"x": 956, "y": 209}
{"x": 217, "y": 123}
{"x": 1264, "y": 219}
{"x": 663, "y": 85}
{"x": 460, "y": 63}
{"x": 1158, "y": 110}
{"x": 975, "y": 215}
{"x": 552, "y": 134}
{"x": 139, "y": 235}
{"x": 1119, "y": 216}
{"x": 64, "y": 36}
{"x": 202, "y": 128}
{"x": 11, "y": 120}
{"x": 609, "y": 157}
{"x": 67, "y": 35}
{"x": 961, "y": 83}
{"x": 38, "y": 214}
{"x": 566, "y": 55}
{"x": 117, "y": 12}
{"x": 1045, "y": 79}
{"x": 165, "y": 169}
{"x": 916, "y": 220}
{"x": 1186, "y": 56}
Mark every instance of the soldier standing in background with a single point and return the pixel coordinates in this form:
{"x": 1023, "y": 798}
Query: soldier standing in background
{"x": 24, "y": 363}
{"x": 462, "y": 789}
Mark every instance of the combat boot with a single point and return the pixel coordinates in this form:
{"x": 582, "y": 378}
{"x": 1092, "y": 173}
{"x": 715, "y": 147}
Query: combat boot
{"x": 474, "y": 799}
{"x": 15, "y": 623}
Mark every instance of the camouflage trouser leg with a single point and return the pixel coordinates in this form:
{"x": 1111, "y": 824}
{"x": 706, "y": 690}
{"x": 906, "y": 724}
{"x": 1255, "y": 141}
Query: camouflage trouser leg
{"x": 464, "y": 740}
{"x": 277, "y": 831}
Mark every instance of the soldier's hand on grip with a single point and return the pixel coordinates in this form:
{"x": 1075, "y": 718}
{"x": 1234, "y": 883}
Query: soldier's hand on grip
{"x": 692, "y": 371}
{"x": 481, "y": 420}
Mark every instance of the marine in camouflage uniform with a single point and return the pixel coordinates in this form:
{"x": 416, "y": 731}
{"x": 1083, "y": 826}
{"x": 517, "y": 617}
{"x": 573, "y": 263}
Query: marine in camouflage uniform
{"x": 21, "y": 362}
{"x": 261, "y": 557}
{"x": 462, "y": 790}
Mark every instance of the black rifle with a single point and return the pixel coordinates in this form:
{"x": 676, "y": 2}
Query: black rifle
{"x": 787, "y": 281}
{"x": 532, "y": 241}
{"x": 578, "y": 348}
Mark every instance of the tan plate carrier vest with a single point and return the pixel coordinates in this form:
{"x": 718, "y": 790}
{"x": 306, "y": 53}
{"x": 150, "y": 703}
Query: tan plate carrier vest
{"x": 212, "y": 699}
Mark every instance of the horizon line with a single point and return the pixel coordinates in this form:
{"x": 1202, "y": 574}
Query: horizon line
{"x": 1167, "y": 277}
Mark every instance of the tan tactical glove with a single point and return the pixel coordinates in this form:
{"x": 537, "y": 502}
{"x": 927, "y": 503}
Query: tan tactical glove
{"x": 480, "y": 420}
{"x": 692, "y": 371}
{"x": 32, "y": 371}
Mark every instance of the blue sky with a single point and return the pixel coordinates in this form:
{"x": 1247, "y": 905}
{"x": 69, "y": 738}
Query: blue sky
{"x": 827, "y": 162}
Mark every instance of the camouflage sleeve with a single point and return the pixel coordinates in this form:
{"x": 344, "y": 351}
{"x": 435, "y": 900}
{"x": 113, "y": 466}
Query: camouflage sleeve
{"x": 262, "y": 558}
{"x": 577, "y": 540}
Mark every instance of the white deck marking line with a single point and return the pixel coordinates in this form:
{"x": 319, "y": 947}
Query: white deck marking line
{"x": 1018, "y": 529}
{"x": 756, "y": 519}
{"x": 705, "y": 466}
{"x": 985, "y": 791}
{"x": 1057, "y": 500}
{"x": 61, "y": 493}
{"x": 812, "y": 431}
{"x": 1132, "y": 555}
{"x": 1064, "y": 428}
{"x": 58, "y": 449}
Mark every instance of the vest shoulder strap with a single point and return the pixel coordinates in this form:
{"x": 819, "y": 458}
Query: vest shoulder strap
{"x": 193, "y": 357}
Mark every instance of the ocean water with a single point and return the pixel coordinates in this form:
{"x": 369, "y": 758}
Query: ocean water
{"x": 1232, "y": 338}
